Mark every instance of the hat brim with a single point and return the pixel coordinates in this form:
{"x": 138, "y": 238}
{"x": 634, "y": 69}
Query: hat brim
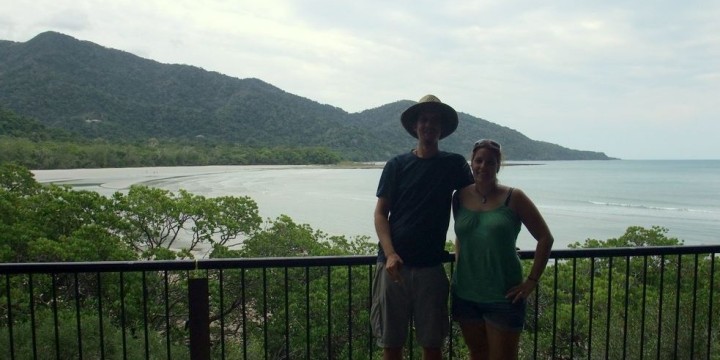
{"x": 449, "y": 117}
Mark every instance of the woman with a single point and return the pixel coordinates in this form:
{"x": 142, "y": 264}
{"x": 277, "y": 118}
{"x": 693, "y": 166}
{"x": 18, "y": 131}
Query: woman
{"x": 489, "y": 290}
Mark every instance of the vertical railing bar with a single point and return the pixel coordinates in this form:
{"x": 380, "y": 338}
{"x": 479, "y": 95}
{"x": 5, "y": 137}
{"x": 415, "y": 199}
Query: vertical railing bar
{"x": 32, "y": 316}
{"x": 536, "y": 321}
{"x": 411, "y": 336}
{"x": 643, "y": 307}
{"x": 609, "y": 308}
{"x": 56, "y": 321}
{"x": 77, "y": 315}
{"x": 710, "y": 304}
{"x": 555, "y": 302}
{"x": 221, "y": 288}
{"x": 329, "y": 313}
{"x": 694, "y": 308}
{"x": 122, "y": 314}
{"x": 572, "y": 308}
{"x": 450, "y": 340}
{"x": 592, "y": 297}
{"x": 663, "y": 344}
{"x": 371, "y": 338}
{"x": 100, "y": 315}
{"x": 677, "y": 303}
{"x": 166, "y": 284}
{"x": 244, "y": 313}
{"x": 660, "y": 304}
{"x": 145, "y": 314}
{"x": 287, "y": 316}
{"x": 307, "y": 312}
{"x": 350, "y": 348}
{"x": 627, "y": 302}
{"x": 10, "y": 318}
{"x": 265, "y": 312}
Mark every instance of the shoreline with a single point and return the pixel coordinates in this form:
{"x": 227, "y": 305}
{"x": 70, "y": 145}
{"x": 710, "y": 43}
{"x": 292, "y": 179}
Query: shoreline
{"x": 380, "y": 165}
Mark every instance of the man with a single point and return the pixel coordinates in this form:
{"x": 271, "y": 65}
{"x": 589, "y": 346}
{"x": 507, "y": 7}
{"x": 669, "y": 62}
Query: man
{"x": 411, "y": 220}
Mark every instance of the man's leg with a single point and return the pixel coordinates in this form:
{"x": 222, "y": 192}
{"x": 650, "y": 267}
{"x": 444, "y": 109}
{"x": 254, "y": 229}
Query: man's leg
{"x": 431, "y": 290}
{"x": 390, "y": 312}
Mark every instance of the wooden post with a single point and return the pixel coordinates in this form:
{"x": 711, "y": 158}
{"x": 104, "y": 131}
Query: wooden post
{"x": 199, "y": 319}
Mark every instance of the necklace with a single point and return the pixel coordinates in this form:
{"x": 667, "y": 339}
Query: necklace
{"x": 483, "y": 197}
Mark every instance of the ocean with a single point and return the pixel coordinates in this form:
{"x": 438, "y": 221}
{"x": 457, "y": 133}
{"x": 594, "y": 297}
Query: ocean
{"x": 578, "y": 199}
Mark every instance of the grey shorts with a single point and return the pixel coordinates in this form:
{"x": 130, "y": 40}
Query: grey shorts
{"x": 507, "y": 316}
{"x": 421, "y": 297}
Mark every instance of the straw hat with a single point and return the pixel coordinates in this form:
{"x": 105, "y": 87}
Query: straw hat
{"x": 430, "y": 103}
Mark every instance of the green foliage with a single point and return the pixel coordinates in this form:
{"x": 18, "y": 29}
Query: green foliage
{"x": 101, "y": 154}
{"x": 17, "y": 179}
{"x": 635, "y": 236}
{"x": 55, "y": 223}
{"x": 627, "y": 307}
{"x": 596, "y": 308}
{"x": 12, "y": 125}
{"x": 155, "y": 220}
{"x": 308, "y": 300}
{"x": 26, "y": 142}
{"x": 69, "y": 330}
{"x": 284, "y": 238}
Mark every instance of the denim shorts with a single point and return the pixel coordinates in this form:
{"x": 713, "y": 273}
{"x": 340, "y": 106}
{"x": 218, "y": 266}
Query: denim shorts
{"x": 507, "y": 316}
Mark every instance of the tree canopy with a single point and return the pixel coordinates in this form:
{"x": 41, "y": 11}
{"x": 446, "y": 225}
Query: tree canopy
{"x": 663, "y": 303}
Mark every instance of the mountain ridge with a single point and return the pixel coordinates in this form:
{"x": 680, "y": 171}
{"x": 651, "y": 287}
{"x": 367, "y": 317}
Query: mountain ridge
{"x": 98, "y": 92}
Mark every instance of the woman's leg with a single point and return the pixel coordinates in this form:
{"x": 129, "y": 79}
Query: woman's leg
{"x": 476, "y": 339}
{"x": 502, "y": 343}
{"x": 392, "y": 353}
{"x": 432, "y": 354}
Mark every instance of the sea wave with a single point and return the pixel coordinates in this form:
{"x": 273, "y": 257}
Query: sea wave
{"x": 649, "y": 207}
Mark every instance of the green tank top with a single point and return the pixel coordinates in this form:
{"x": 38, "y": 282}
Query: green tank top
{"x": 488, "y": 264}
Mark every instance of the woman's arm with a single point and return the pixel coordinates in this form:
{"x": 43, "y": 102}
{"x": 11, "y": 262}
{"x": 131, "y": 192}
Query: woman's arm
{"x": 534, "y": 222}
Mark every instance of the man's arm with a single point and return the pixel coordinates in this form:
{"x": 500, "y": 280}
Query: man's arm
{"x": 382, "y": 228}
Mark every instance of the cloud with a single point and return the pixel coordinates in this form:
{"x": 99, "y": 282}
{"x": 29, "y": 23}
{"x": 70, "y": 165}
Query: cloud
{"x": 25, "y": 18}
{"x": 573, "y": 73}
{"x": 66, "y": 20}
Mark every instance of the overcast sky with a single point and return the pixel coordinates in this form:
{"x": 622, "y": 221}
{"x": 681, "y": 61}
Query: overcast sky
{"x": 633, "y": 79}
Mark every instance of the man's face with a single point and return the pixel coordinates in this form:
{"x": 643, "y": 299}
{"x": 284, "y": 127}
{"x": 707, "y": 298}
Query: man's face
{"x": 428, "y": 126}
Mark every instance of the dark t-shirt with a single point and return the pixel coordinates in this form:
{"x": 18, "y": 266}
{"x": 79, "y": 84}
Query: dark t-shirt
{"x": 420, "y": 191}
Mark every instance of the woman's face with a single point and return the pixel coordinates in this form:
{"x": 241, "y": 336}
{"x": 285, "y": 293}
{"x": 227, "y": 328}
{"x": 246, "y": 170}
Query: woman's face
{"x": 485, "y": 165}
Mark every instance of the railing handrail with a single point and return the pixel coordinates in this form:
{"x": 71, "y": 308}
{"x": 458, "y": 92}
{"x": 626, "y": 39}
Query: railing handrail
{"x": 628, "y": 251}
{"x": 346, "y": 260}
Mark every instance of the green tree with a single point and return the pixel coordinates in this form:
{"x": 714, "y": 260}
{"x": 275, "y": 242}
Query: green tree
{"x": 296, "y": 297}
{"x": 159, "y": 224}
{"x": 624, "y": 307}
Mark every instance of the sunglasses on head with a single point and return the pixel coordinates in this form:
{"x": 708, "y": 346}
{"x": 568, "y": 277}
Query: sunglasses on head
{"x": 487, "y": 143}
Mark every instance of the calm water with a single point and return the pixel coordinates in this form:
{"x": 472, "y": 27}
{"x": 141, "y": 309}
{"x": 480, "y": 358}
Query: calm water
{"x": 579, "y": 199}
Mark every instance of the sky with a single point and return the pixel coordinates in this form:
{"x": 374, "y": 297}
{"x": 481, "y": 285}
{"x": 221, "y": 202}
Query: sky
{"x": 633, "y": 79}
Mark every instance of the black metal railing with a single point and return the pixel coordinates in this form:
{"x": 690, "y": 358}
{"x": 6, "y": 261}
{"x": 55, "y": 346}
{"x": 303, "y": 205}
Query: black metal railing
{"x": 609, "y": 303}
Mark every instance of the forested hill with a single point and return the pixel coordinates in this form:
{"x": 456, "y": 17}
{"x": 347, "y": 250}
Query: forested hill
{"x": 96, "y": 92}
